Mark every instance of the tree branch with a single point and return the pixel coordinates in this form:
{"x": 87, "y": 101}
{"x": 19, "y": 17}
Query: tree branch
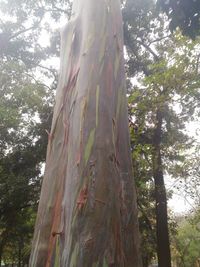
{"x": 25, "y": 30}
{"x": 156, "y": 57}
{"x": 160, "y": 39}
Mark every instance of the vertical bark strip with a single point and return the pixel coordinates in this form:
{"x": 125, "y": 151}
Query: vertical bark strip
{"x": 163, "y": 244}
{"x": 87, "y": 213}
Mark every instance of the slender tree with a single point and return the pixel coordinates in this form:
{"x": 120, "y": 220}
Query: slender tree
{"x": 163, "y": 244}
{"x": 87, "y": 213}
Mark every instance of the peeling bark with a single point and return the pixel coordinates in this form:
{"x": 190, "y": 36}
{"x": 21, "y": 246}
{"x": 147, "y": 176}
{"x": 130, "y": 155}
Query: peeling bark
{"x": 87, "y": 214}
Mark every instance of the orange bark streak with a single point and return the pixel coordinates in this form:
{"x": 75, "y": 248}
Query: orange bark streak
{"x": 55, "y": 225}
{"x": 82, "y": 199}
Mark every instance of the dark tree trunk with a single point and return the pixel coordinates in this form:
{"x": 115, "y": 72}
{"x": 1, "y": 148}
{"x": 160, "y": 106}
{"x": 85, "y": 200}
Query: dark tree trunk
{"x": 145, "y": 261}
{"x": 2, "y": 244}
{"x": 19, "y": 256}
{"x": 163, "y": 244}
{"x": 87, "y": 214}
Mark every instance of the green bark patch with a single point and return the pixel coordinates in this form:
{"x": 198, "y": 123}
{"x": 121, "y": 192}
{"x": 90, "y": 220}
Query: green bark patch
{"x": 101, "y": 68}
{"x": 117, "y": 64}
{"x": 89, "y": 146}
{"x": 74, "y": 256}
{"x": 97, "y": 105}
{"x": 105, "y": 264}
{"x": 57, "y": 256}
{"x": 113, "y": 132}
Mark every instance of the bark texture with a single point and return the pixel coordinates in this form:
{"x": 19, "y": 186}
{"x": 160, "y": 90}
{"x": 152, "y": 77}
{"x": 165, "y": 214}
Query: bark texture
{"x": 87, "y": 213}
{"x": 162, "y": 232}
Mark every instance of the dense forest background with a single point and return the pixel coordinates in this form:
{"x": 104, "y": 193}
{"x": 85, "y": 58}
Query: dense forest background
{"x": 163, "y": 82}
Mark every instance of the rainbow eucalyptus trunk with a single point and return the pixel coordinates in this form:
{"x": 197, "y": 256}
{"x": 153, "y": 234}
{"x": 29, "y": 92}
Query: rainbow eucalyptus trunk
{"x": 87, "y": 213}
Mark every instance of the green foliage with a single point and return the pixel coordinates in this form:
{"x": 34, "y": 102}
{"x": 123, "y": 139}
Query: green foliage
{"x": 184, "y": 14}
{"x": 25, "y": 116}
{"x": 166, "y": 80}
{"x": 187, "y": 241}
{"x": 22, "y": 150}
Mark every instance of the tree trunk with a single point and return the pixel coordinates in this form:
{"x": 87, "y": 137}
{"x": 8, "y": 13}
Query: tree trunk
{"x": 163, "y": 244}
{"x": 0, "y": 257}
{"x": 2, "y": 244}
{"x": 19, "y": 255}
{"x": 87, "y": 214}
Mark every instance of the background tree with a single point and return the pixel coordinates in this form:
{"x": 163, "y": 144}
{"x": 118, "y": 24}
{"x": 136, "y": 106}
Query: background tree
{"x": 168, "y": 73}
{"x": 186, "y": 243}
{"x": 184, "y": 14}
{"x": 22, "y": 147}
{"x": 25, "y": 115}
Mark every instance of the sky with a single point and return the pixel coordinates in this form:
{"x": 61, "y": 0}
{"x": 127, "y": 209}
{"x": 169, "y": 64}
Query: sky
{"x": 181, "y": 202}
